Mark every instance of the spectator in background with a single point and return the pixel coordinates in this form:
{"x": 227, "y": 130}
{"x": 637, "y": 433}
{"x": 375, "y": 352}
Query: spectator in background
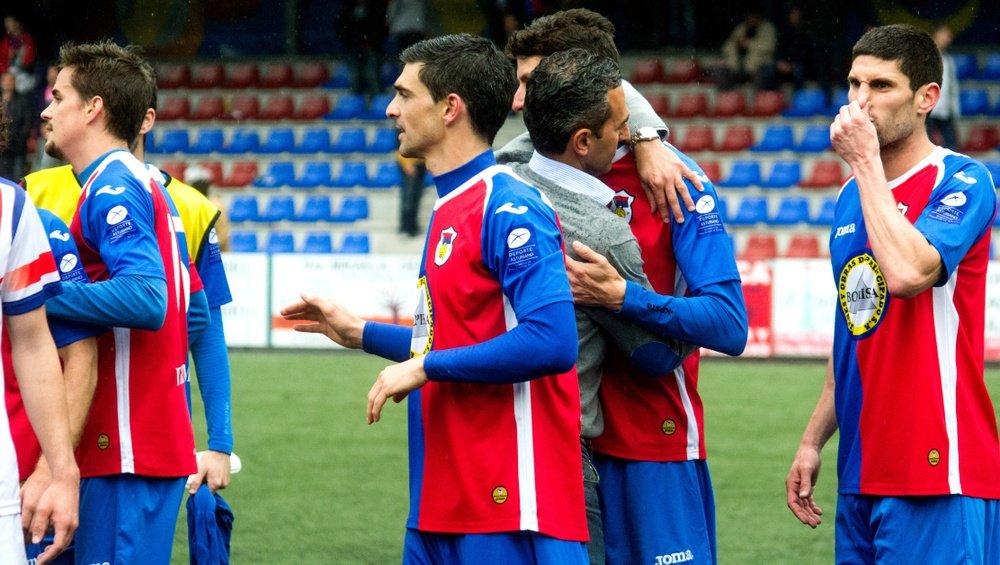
{"x": 17, "y": 54}
{"x": 748, "y": 51}
{"x": 791, "y": 53}
{"x": 362, "y": 33}
{"x": 941, "y": 121}
{"x": 18, "y": 111}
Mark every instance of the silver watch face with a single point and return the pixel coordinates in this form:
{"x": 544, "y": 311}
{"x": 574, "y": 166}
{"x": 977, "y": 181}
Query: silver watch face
{"x": 645, "y": 134}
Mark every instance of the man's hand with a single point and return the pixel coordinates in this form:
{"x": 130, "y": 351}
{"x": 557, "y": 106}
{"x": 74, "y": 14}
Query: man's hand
{"x": 395, "y": 381}
{"x": 58, "y": 510}
{"x": 662, "y": 175}
{"x": 593, "y": 280}
{"x": 853, "y": 135}
{"x": 213, "y": 470}
{"x": 799, "y": 486}
{"x": 31, "y": 491}
{"x": 328, "y": 318}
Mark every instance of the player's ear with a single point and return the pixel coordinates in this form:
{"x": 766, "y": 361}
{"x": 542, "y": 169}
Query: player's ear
{"x": 927, "y": 97}
{"x": 453, "y": 107}
{"x": 580, "y": 141}
{"x": 94, "y": 107}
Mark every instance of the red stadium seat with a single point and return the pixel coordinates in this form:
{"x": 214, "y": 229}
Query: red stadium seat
{"x": 172, "y": 76}
{"x": 175, "y": 169}
{"x": 803, "y": 246}
{"x": 276, "y": 75}
{"x": 760, "y": 246}
{"x": 712, "y": 170}
{"x": 981, "y": 138}
{"x": 244, "y": 108}
{"x": 174, "y": 108}
{"x": 684, "y": 70}
{"x": 697, "y": 138}
{"x": 311, "y": 75}
{"x": 242, "y": 173}
{"x": 767, "y": 103}
{"x": 211, "y": 75}
{"x": 241, "y": 75}
{"x": 660, "y": 103}
{"x": 647, "y": 71}
{"x": 209, "y": 108}
{"x": 729, "y": 104}
{"x": 277, "y": 107}
{"x": 214, "y": 169}
{"x": 690, "y": 105}
{"x": 825, "y": 174}
{"x": 736, "y": 138}
{"x": 312, "y": 107}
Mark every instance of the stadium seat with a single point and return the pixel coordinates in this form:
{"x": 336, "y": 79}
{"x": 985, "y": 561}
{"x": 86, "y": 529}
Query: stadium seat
{"x": 314, "y": 140}
{"x": 208, "y": 108}
{"x": 697, "y": 138}
{"x": 806, "y": 103}
{"x": 759, "y": 246}
{"x": 209, "y": 140}
{"x": 169, "y": 77}
{"x": 803, "y": 246}
{"x": 974, "y": 101}
{"x": 350, "y": 140}
{"x": 742, "y": 174}
{"x": 315, "y": 208}
{"x": 994, "y": 168}
{"x": 825, "y": 174}
{"x": 280, "y": 242}
{"x": 775, "y": 138}
{"x": 684, "y": 70}
{"x": 242, "y": 173}
{"x": 354, "y": 242}
{"x": 647, "y": 71}
{"x": 736, "y": 138}
{"x": 991, "y": 67}
{"x": 966, "y": 65}
{"x": 722, "y": 205}
{"x": 241, "y": 241}
{"x": 347, "y": 107}
{"x": 174, "y": 108}
{"x": 243, "y": 209}
{"x": 816, "y": 139}
{"x": 280, "y": 208}
{"x": 279, "y": 140}
{"x": 173, "y": 141}
{"x": 981, "y": 138}
{"x": 824, "y": 217}
{"x": 791, "y": 210}
{"x": 275, "y": 75}
{"x": 690, "y": 105}
{"x": 376, "y": 110}
{"x": 352, "y": 209}
{"x": 314, "y": 175}
{"x": 241, "y": 75}
{"x": 310, "y": 75}
{"x": 214, "y": 169}
{"x": 149, "y": 142}
{"x": 783, "y": 174}
{"x": 352, "y": 173}
{"x": 312, "y": 107}
{"x": 712, "y": 170}
{"x": 659, "y": 102}
{"x": 387, "y": 175}
{"x": 318, "y": 242}
{"x": 244, "y": 108}
{"x": 840, "y": 98}
{"x": 175, "y": 169}
{"x": 242, "y": 140}
{"x": 384, "y": 141}
{"x": 339, "y": 78}
{"x": 767, "y": 103}
{"x": 277, "y": 107}
{"x": 752, "y": 210}
{"x": 729, "y": 104}
{"x": 207, "y": 75}
{"x": 278, "y": 173}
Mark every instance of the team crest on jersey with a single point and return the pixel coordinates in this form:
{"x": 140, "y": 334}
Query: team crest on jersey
{"x": 422, "y": 337}
{"x": 103, "y": 442}
{"x": 444, "y": 246}
{"x": 621, "y": 205}
{"x": 864, "y": 294}
{"x": 934, "y": 457}
{"x": 500, "y": 495}
{"x": 668, "y": 427}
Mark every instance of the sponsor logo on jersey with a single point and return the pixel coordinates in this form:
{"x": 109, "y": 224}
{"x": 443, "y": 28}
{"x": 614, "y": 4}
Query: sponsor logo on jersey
{"x": 621, "y": 205}
{"x": 863, "y": 294}
{"x": 518, "y": 237}
{"x": 675, "y": 557}
{"x": 103, "y": 441}
{"x": 954, "y": 199}
{"x": 500, "y": 495}
{"x": 116, "y": 215}
{"x": 59, "y": 234}
{"x": 106, "y": 189}
{"x": 443, "y": 250}
{"x": 213, "y": 238}
{"x": 422, "y": 337}
{"x": 708, "y": 218}
{"x": 522, "y": 251}
{"x": 68, "y": 263}
{"x": 949, "y": 209}
{"x": 668, "y": 427}
{"x": 934, "y": 457}
{"x": 509, "y": 207}
{"x": 843, "y": 230}
{"x": 705, "y": 204}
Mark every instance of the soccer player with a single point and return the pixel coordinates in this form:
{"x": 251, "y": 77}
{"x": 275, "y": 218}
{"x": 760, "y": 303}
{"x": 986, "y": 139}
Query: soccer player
{"x": 137, "y": 448}
{"x": 494, "y": 403}
{"x": 919, "y": 454}
{"x": 653, "y": 440}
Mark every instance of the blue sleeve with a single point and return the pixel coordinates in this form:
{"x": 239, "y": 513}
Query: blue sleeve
{"x": 131, "y": 301}
{"x": 389, "y": 341}
{"x": 713, "y": 316}
{"x": 213, "y": 272}
{"x": 211, "y": 362}
{"x": 545, "y": 344}
{"x": 198, "y": 315}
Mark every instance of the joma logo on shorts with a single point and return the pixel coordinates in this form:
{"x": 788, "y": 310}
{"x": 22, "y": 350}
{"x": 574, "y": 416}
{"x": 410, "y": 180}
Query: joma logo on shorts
{"x": 675, "y": 557}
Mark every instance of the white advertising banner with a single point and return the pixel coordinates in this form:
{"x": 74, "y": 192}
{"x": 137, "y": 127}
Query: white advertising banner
{"x": 803, "y": 302}
{"x": 246, "y": 317}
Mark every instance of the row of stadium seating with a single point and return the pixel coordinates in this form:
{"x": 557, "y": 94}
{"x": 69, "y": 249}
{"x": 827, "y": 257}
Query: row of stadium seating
{"x": 284, "y": 241}
{"x": 252, "y": 75}
{"x": 275, "y": 107}
{"x": 242, "y": 140}
{"x": 314, "y": 208}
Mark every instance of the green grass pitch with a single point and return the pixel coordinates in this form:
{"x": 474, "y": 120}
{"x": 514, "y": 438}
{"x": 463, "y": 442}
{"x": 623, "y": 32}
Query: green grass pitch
{"x": 319, "y": 486}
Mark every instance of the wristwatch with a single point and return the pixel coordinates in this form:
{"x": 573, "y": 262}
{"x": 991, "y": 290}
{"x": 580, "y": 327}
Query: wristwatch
{"x": 642, "y": 134}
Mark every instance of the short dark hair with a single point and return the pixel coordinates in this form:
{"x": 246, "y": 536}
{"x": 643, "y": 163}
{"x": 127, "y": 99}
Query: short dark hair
{"x": 568, "y": 29}
{"x": 121, "y": 76}
{"x": 914, "y": 49}
{"x": 471, "y": 67}
{"x": 568, "y": 91}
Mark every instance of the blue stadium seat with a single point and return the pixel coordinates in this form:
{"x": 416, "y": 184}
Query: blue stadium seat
{"x": 994, "y": 168}
{"x": 752, "y": 210}
{"x": 350, "y": 140}
{"x": 385, "y": 141}
{"x": 974, "y": 101}
{"x": 243, "y": 241}
{"x": 173, "y": 141}
{"x": 775, "y": 138}
{"x": 279, "y": 140}
{"x": 279, "y": 208}
{"x": 966, "y": 65}
{"x": 278, "y": 173}
{"x": 280, "y": 242}
{"x": 742, "y": 174}
{"x": 806, "y": 103}
{"x": 339, "y": 78}
{"x": 243, "y": 140}
{"x": 722, "y": 205}
{"x": 840, "y": 98}
{"x": 315, "y": 208}
{"x": 314, "y": 140}
{"x": 149, "y": 143}
{"x": 376, "y": 110}
{"x": 355, "y": 242}
{"x": 791, "y": 210}
{"x": 387, "y": 175}
{"x": 348, "y": 107}
{"x": 318, "y": 242}
{"x": 991, "y": 67}
{"x": 352, "y": 209}
{"x": 352, "y": 173}
{"x": 824, "y": 217}
{"x": 314, "y": 175}
{"x": 816, "y": 139}
{"x": 784, "y": 174}
{"x": 209, "y": 140}
{"x": 243, "y": 209}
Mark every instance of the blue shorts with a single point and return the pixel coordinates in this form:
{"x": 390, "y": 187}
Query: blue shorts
{"x": 128, "y": 519}
{"x": 425, "y": 548}
{"x": 33, "y": 550}
{"x": 917, "y": 529}
{"x": 656, "y": 512}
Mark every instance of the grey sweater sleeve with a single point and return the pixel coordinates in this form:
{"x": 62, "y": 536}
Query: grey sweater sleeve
{"x": 641, "y": 114}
